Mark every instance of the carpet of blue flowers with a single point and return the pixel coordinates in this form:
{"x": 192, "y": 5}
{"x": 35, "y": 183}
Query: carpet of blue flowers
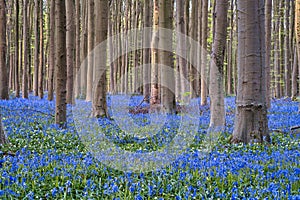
{"x": 52, "y": 163}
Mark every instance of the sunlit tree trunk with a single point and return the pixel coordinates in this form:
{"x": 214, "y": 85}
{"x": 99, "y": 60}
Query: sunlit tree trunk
{"x": 60, "y": 63}
{"x": 99, "y": 97}
{"x": 251, "y": 123}
{"x": 287, "y": 63}
{"x": 217, "y": 106}
{"x": 166, "y": 57}
{"x": 204, "y": 53}
{"x": 3, "y": 66}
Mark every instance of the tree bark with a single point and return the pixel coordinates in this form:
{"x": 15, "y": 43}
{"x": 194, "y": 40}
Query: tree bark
{"x": 3, "y": 66}
{"x": 146, "y": 51}
{"x": 70, "y": 6}
{"x": 41, "y": 54}
{"x": 17, "y": 80}
{"x": 165, "y": 57}
{"x": 268, "y": 14}
{"x": 25, "y": 49}
{"x": 51, "y": 51}
{"x": 99, "y": 97}
{"x": 36, "y": 46}
{"x": 217, "y": 106}
{"x": 60, "y": 63}
{"x": 251, "y": 123}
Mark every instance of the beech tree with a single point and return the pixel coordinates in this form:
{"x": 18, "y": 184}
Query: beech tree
{"x": 3, "y": 66}
{"x": 251, "y": 123}
{"x": 60, "y": 63}
{"x": 216, "y": 85}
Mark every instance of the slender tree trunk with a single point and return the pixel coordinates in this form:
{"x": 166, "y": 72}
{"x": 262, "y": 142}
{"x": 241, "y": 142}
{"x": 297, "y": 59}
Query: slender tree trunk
{"x": 51, "y": 51}
{"x": 17, "y": 80}
{"x": 146, "y": 52}
{"x": 70, "y": 6}
{"x": 77, "y": 49}
{"x": 295, "y": 75}
{"x": 36, "y": 46}
{"x": 60, "y": 63}
{"x": 83, "y": 50}
{"x": 41, "y": 58}
{"x": 99, "y": 98}
{"x": 25, "y": 49}
{"x": 217, "y": 107}
{"x": 204, "y": 53}
{"x": 91, "y": 38}
{"x": 3, "y": 66}
{"x": 297, "y": 32}
{"x": 287, "y": 63}
{"x": 251, "y": 123}
{"x": 268, "y": 22}
{"x": 154, "y": 56}
{"x": 166, "y": 57}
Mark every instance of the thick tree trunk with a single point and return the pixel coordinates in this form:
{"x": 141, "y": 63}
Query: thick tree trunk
{"x": 77, "y": 49}
{"x": 51, "y": 51}
{"x": 70, "y": 6}
{"x": 251, "y": 123}
{"x": 99, "y": 97}
{"x": 165, "y": 57}
{"x": 25, "y": 49}
{"x": 3, "y": 66}
{"x": 217, "y": 106}
{"x": 60, "y": 63}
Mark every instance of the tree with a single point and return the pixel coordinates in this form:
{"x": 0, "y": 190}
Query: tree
{"x": 251, "y": 123}
{"x": 203, "y": 52}
{"x": 17, "y": 80}
{"x": 216, "y": 86}
{"x": 36, "y": 45}
{"x": 51, "y": 51}
{"x": 165, "y": 57}
{"x": 268, "y": 12}
{"x": 3, "y": 66}
{"x": 41, "y": 57}
{"x": 90, "y": 59}
{"x": 146, "y": 52}
{"x": 60, "y": 63}
{"x": 70, "y": 6}
{"x": 25, "y": 49}
{"x": 297, "y": 30}
{"x": 99, "y": 97}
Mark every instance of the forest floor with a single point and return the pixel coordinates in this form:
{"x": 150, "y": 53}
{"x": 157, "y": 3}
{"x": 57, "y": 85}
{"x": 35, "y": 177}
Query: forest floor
{"x": 43, "y": 161}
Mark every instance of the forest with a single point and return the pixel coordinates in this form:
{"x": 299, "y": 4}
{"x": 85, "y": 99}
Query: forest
{"x": 150, "y": 99}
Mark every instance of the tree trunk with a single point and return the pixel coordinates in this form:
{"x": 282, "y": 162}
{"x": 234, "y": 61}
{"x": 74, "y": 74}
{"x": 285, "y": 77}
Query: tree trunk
{"x": 17, "y": 80}
{"x": 51, "y": 51}
{"x": 36, "y": 46}
{"x": 166, "y": 57}
{"x": 3, "y": 139}
{"x": 297, "y": 31}
{"x": 41, "y": 58}
{"x": 60, "y": 63}
{"x": 204, "y": 52}
{"x": 217, "y": 106}
{"x": 70, "y": 6}
{"x": 77, "y": 49}
{"x": 91, "y": 38}
{"x": 268, "y": 22}
{"x": 25, "y": 49}
{"x": 287, "y": 63}
{"x": 154, "y": 56}
{"x": 83, "y": 50}
{"x": 99, "y": 97}
{"x": 146, "y": 51}
{"x": 251, "y": 123}
{"x": 3, "y": 66}
{"x": 295, "y": 75}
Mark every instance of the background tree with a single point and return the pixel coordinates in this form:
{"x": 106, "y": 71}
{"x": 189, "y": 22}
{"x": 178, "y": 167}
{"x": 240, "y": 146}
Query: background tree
{"x": 25, "y": 51}
{"x": 251, "y": 123}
